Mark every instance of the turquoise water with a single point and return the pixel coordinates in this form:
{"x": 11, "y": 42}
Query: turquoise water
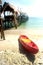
{"x": 33, "y": 22}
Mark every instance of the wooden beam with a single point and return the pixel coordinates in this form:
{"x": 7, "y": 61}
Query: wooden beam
{"x": 2, "y": 29}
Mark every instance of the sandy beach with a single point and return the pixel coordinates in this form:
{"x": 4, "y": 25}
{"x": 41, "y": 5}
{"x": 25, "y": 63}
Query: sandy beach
{"x": 28, "y": 16}
{"x": 10, "y": 45}
{"x": 12, "y": 35}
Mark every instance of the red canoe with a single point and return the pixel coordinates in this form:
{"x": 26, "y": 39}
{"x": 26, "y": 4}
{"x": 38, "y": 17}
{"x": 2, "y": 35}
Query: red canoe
{"x": 28, "y": 44}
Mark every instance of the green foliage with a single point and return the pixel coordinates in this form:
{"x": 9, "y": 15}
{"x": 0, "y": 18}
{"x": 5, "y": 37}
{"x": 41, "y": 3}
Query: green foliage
{"x": 23, "y": 17}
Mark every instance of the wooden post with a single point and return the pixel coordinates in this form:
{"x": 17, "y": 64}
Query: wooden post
{"x": 15, "y": 20}
{"x": 2, "y": 29}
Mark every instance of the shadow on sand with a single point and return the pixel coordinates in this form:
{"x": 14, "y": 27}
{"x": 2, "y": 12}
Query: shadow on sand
{"x": 29, "y": 56}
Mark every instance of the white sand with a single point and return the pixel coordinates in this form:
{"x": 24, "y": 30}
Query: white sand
{"x": 12, "y": 57}
{"x": 12, "y": 36}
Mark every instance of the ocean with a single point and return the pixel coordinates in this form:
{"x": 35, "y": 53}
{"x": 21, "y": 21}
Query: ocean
{"x": 33, "y": 22}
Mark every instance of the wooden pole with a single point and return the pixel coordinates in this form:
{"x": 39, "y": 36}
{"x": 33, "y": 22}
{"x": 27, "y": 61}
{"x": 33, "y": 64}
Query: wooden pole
{"x": 2, "y": 29}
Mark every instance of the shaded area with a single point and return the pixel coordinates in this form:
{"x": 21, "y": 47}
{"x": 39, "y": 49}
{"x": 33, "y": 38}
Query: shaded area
{"x": 30, "y": 56}
{"x": 9, "y": 15}
{"x": 8, "y": 25}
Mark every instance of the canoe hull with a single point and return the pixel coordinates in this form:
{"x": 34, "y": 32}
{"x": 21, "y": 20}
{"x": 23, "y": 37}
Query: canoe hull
{"x": 29, "y": 46}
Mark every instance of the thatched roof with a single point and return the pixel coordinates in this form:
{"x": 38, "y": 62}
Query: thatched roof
{"x": 7, "y": 7}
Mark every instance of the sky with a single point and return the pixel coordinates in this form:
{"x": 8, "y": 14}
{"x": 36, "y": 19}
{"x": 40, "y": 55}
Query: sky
{"x": 34, "y": 8}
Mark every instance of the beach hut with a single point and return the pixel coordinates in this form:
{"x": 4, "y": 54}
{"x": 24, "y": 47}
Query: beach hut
{"x": 1, "y": 22}
{"x": 10, "y": 14}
